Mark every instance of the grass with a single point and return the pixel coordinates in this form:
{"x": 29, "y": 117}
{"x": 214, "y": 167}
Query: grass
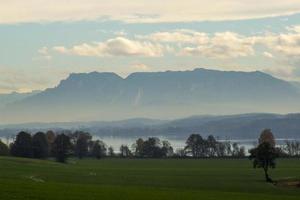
{"x": 142, "y": 179}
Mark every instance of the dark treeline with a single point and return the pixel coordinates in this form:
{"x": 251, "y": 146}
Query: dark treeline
{"x": 64, "y": 144}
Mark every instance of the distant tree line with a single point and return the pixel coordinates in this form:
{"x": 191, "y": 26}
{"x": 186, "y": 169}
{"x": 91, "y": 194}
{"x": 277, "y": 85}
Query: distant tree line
{"x": 58, "y": 145}
{"x": 199, "y": 147}
{"x": 291, "y": 148}
{"x": 64, "y": 144}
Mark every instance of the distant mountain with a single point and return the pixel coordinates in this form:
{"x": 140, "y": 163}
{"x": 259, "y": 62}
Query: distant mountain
{"x": 242, "y": 126}
{"x": 296, "y": 84}
{"x": 245, "y": 126}
{"x": 137, "y": 122}
{"x": 107, "y": 96}
{"x": 6, "y": 99}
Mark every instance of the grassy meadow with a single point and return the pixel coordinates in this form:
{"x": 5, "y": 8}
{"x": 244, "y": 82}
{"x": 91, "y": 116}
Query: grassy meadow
{"x": 89, "y": 179}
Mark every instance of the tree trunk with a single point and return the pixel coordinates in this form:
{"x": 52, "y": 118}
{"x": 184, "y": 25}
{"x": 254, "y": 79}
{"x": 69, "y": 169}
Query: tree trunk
{"x": 268, "y": 179}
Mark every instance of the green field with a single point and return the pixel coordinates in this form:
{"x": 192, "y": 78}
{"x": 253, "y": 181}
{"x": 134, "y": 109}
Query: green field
{"x": 142, "y": 179}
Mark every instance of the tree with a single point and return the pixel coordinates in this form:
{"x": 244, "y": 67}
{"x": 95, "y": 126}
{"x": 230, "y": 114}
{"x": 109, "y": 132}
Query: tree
{"x": 238, "y": 151}
{"x": 228, "y": 150}
{"x": 50, "y": 138}
{"x": 138, "y": 146}
{"x": 40, "y": 145}
{"x": 152, "y": 148}
{"x": 292, "y": 148}
{"x": 221, "y": 149}
{"x": 111, "y": 152}
{"x": 125, "y": 151}
{"x": 82, "y": 144}
{"x": 22, "y": 147}
{"x": 267, "y": 136}
{"x": 242, "y": 152}
{"x": 211, "y": 144}
{"x": 4, "y": 151}
{"x": 195, "y": 145}
{"x": 264, "y": 157}
{"x": 61, "y": 147}
{"x": 99, "y": 149}
{"x": 167, "y": 149}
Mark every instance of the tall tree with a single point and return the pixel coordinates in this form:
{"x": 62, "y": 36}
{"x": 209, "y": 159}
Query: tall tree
{"x": 238, "y": 151}
{"x": 138, "y": 146}
{"x": 267, "y": 136}
{"x": 61, "y": 147}
{"x": 220, "y": 149}
{"x": 292, "y": 148}
{"x": 40, "y": 145}
{"x": 211, "y": 144}
{"x": 99, "y": 149}
{"x": 228, "y": 150}
{"x": 195, "y": 145}
{"x": 4, "y": 151}
{"x": 111, "y": 151}
{"x": 82, "y": 144}
{"x": 50, "y": 139}
{"x": 22, "y": 147}
{"x": 167, "y": 149}
{"x": 264, "y": 157}
{"x": 152, "y": 148}
{"x": 125, "y": 151}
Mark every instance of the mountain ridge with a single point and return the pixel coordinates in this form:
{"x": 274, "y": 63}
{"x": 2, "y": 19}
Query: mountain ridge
{"x": 96, "y": 96}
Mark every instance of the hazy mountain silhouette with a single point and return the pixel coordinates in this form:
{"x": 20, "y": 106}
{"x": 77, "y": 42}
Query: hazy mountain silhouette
{"x": 242, "y": 126}
{"x": 6, "y": 99}
{"x": 170, "y": 94}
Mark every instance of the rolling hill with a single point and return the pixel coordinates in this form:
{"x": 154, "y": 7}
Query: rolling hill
{"x": 242, "y": 126}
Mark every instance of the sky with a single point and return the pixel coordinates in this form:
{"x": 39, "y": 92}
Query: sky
{"x": 43, "y": 41}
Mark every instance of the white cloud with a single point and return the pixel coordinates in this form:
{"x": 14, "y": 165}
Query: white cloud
{"x": 179, "y": 36}
{"x": 282, "y": 49}
{"x": 222, "y": 45}
{"x": 267, "y": 54}
{"x": 119, "y": 46}
{"x": 294, "y": 29}
{"x": 44, "y": 54}
{"x": 230, "y": 44}
{"x": 16, "y": 11}
{"x": 284, "y": 44}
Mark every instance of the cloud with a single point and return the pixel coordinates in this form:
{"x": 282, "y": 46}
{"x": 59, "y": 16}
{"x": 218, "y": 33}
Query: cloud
{"x": 283, "y": 44}
{"x": 282, "y": 49}
{"x": 118, "y": 46}
{"x": 182, "y": 36}
{"x": 43, "y": 54}
{"x": 225, "y": 45}
{"x": 222, "y": 45}
{"x": 143, "y": 11}
{"x": 61, "y": 49}
{"x": 267, "y": 55}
